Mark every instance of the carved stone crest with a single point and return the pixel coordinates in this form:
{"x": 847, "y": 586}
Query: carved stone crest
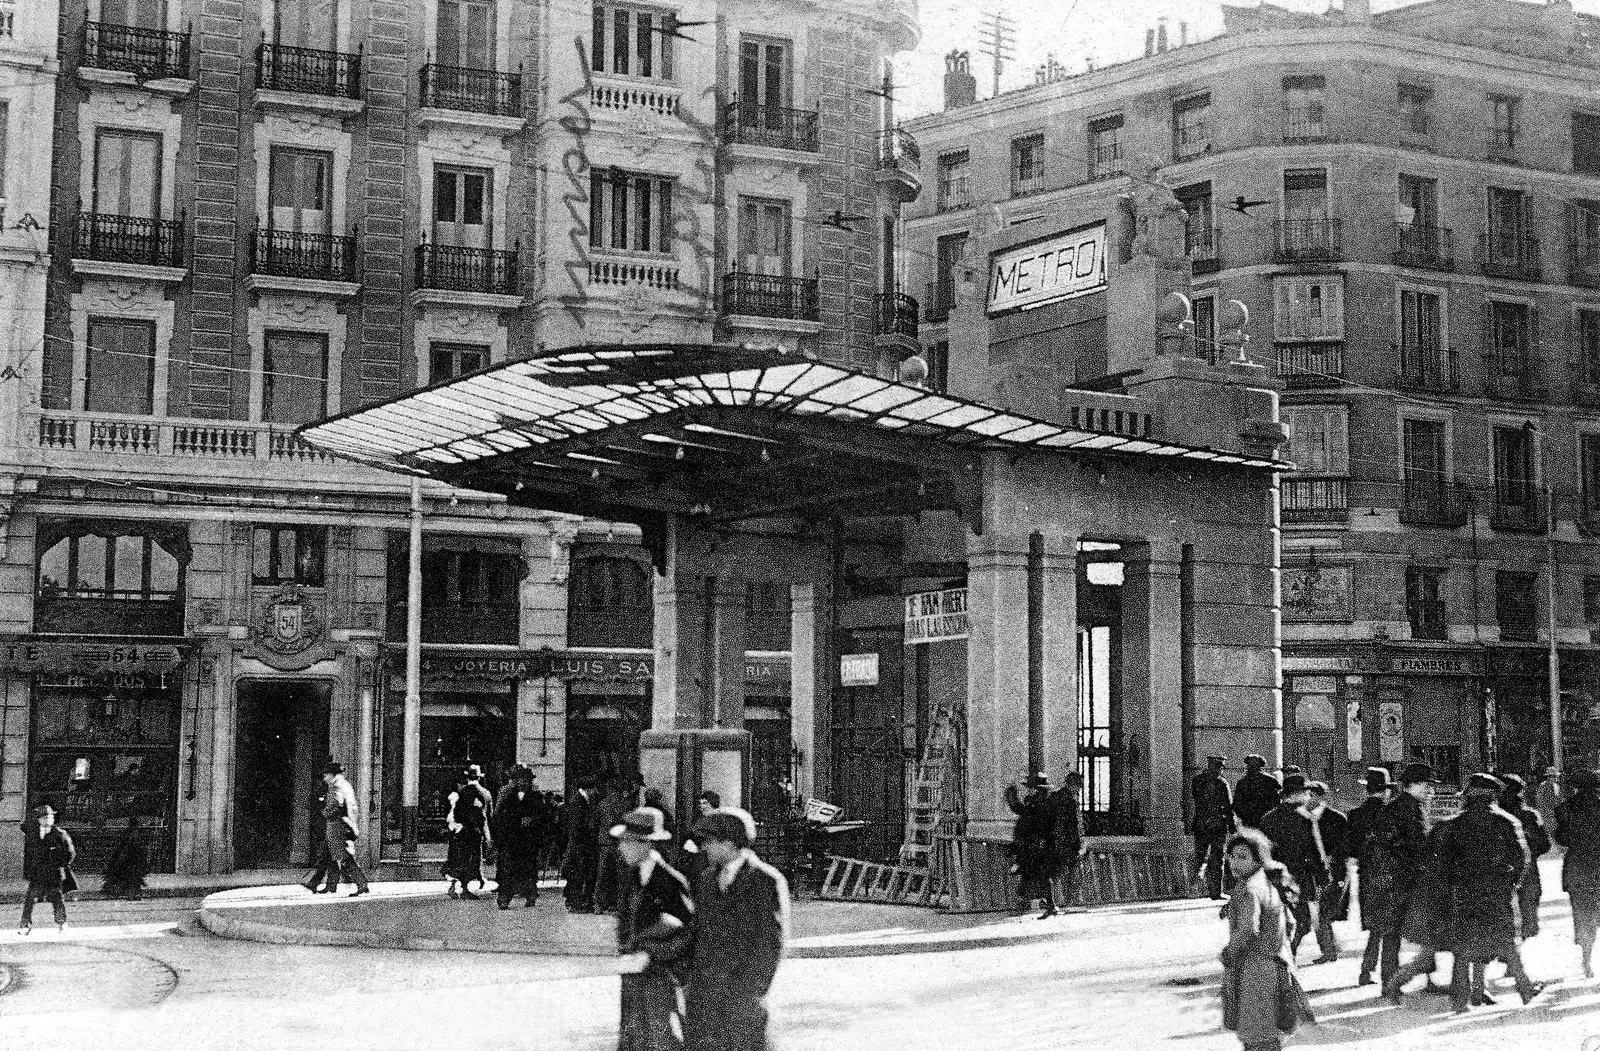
{"x": 288, "y": 622}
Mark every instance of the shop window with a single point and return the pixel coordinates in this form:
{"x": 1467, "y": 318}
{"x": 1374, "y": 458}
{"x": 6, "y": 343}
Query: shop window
{"x": 96, "y": 581}
{"x": 1424, "y": 603}
{"x": 289, "y": 555}
{"x": 767, "y": 609}
{"x": 1444, "y": 758}
{"x": 610, "y": 601}
{"x": 632, "y": 41}
{"x": 1516, "y": 605}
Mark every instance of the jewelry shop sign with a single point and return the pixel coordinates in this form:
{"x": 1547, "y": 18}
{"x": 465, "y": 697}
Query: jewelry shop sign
{"x": 124, "y": 664}
{"x": 1063, "y": 266}
{"x": 936, "y": 616}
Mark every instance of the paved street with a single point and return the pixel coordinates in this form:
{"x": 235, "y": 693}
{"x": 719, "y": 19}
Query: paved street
{"x": 143, "y": 975}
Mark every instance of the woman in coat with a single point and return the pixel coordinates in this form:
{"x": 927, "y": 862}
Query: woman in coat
{"x": 1578, "y": 829}
{"x": 466, "y": 821}
{"x": 1261, "y": 998}
{"x": 1514, "y": 801}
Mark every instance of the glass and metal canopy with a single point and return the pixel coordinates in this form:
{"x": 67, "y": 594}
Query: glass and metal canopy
{"x": 711, "y": 430}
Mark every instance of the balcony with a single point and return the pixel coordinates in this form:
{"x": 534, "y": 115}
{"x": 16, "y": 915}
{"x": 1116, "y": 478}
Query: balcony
{"x": 1509, "y": 255}
{"x": 311, "y": 257}
{"x": 1583, "y": 263}
{"x": 1105, "y": 162}
{"x": 1313, "y": 500}
{"x": 758, "y": 295}
{"x": 894, "y": 314}
{"x": 1518, "y": 510}
{"x": 306, "y": 71}
{"x": 483, "y": 271}
{"x": 148, "y": 54}
{"x": 1204, "y": 244}
{"x": 1511, "y": 379}
{"x": 215, "y": 440}
{"x": 774, "y": 127}
{"x": 467, "y": 90}
{"x": 461, "y": 623}
{"x": 1428, "y": 501}
{"x": 153, "y": 246}
{"x": 1429, "y": 368}
{"x": 900, "y": 164}
{"x": 1309, "y": 240}
{"x": 119, "y": 613}
{"x": 1303, "y": 124}
{"x": 1427, "y": 618}
{"x": 611, "y": 627}
{"x": 1308, "y": 365}
{"x": 1424, "y": 247}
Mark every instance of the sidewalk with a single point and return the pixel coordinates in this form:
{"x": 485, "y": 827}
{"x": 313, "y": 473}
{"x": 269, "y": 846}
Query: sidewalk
{"x": 419, "y": 916}
{"x": 167, "y": 885}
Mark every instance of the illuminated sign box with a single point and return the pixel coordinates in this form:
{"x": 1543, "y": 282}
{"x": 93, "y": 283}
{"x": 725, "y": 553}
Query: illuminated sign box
{"x": 1058, "y": 267}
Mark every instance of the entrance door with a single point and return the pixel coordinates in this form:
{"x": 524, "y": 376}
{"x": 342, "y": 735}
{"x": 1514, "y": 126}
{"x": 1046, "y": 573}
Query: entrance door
{"x": 280, "y": 746}
{"x": 874, "y": 745}
{"x": 1312, "y": 740}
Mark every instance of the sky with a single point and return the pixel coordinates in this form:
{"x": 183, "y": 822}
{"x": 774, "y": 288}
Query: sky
{"x": 1108, "y": 31}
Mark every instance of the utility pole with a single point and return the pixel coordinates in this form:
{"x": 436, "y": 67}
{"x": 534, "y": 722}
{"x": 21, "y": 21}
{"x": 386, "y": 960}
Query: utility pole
{"x": 1552, "y": 657}
{"x": 998, "y": 35}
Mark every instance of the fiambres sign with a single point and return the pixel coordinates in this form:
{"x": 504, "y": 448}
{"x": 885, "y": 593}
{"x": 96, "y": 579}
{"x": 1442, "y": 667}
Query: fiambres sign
{"x": 1057, "y": 267}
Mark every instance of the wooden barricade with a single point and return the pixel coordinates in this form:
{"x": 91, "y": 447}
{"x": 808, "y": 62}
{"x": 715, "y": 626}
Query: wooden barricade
{"x": 851, "y": 879}
{"x": 977, "y": 874}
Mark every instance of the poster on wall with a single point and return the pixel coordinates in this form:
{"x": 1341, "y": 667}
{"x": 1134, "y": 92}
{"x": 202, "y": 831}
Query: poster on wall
{"x": 1353, "y": 747}
{"x": 1316, "y": 593}
{"x": 1391, "y": 732}
{"x": 1062, "y": 266}
{"x": 936, "y": 616}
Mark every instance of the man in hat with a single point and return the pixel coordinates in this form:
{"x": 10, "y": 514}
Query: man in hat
{"x": 1372, "y": 884}
{"x": 1294, "y": 844}
{"x": 1331, "y": 831}
{"x": 1514, "y": 801}
{"x": 579, "y": 862}
{"x": 1212, "y": 821}
{"x": 1066, "y": 806}
{"x": 339, "y": 808}
{"x": 1033, "y": 841}
{"x": 1256, "y": 793}
{"x": 654, "y": 926}
{"x": 741, "y": 923}
{"x": 518, "y": 827}
{"x": 1419, "y": 900}
{"x": 47, "y": 854}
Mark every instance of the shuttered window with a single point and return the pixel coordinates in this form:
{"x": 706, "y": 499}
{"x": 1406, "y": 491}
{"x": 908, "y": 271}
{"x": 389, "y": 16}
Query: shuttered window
{"x": 1308, "y": 308}
{"x": 121, "y": 367}
{"x": 1318, "y": 438}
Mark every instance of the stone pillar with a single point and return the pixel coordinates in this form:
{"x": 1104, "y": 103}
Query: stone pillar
{"x": 542, "y": 730}
{"x": 727, "y": 614}
{"x": 997, "y": 678}
{"x": 1059, "y": 569}
{"x": 810, "y": 683}
{"x": 1152, "y": 677}
{"x": 681, "y": 695}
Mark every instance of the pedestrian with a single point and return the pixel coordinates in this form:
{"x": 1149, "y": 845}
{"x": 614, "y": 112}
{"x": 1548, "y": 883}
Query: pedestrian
{"x": 1033, "y": 843}
{"x": 1330, "y": 829}
{"x": 654, "y": 921}
{"x": 1212, "y": 821}
{"x": 1067, "y": 809}
{"x": 741, "y": 924}
{"x": 1514, "y": 801}
{"x": 129, "y": 863}
{"x": 1578, "y": 830}
{"x": 1373, "y": 879}
{"x": 340, "y": 831}
{"x": 517, "y": 826}
{"x": 555, "y": 832}
{"x": 613, "y": 804}
{"x": 47, "y": 854}
{"x": 1261, "y": 997}
{"x": 1256, "y": 793}
{"x": 1548, "y": 795}
{"x": 1288, "y": 828}
{"x": 1482, "y": 855}
{"x": 654, "y": 799}
{"x": 693, "y": 857}
{"x": 471, "y": 809}
{"x": 321, "y": 860}
{"x": 1420, "y": 904}
{"x": 579, "y": 862}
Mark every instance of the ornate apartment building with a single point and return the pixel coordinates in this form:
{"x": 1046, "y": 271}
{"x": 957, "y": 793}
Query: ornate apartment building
{"x": 1409, "y": 205}
{"x": 264, "y": 213}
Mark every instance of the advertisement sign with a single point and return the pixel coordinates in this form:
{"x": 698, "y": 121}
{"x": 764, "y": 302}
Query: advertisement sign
{"x": 858, "y": 669}
{"x": 1352, "y": 731}
{"x": 1391, "y": 732}
{"x": 1059, "y": 267}
{"x": 934, "y": 616}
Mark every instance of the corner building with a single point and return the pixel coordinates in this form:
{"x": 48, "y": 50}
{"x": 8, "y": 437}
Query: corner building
{"x": 1406, "y": 201}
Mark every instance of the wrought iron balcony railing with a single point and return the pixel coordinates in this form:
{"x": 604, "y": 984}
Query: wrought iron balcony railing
{"x": 758, "y": 295}
{"x": 1510, "y": 377}
{"x": 1303, "y": 124}
{"x": 1429, "y": 367}
{"x": 1518, "y": 509}
{"x": 128, "y": 239}
{"x": 1315, "y": 499}
{"x": 1430, "y": 247}
{"x": 472, "y": 90}
{"x": 1430, "y": 501}
{"x": 467, "y": 269}
{"x": 894, "y": 314}
{"x": 1191, "y": 140}
{"x": 898, "y": 148}
{"x": 780, "y": 127}
{"x": 1309, "y": 240}
{"x": 289, "y": 253}
{"x": 150, "y": 54}
{"x": 1311, "y": 364}
{"x": 1205, "y": 248}
{"x": 1506, "y": 254}
{"x": 308, "y": 71}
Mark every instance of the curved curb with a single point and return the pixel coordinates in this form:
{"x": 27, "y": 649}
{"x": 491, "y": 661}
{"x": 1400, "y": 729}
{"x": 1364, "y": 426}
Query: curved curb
{"x": 8, "y": 977}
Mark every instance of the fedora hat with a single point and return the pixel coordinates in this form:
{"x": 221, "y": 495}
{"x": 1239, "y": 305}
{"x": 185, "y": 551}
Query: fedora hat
{"x": 1416, "y": 774}
{"x": 1038, "y": 780}
{"x": 643, "y": 824}
{"x": 1485, "y": 783}
{"x": 1378, "y": 779}
{"x": 729, "y": 824}
{"x": 1294, "y": 783}
{"x": 44, "y": 810}
{"x": 1254, "y": 762}
{"x": 1217, "y": 760}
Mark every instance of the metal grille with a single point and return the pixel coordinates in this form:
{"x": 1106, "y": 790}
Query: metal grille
{"x": 308, "y": 71}
{"x": 472, "y": 90}
{"x": 128, "y": 239}
{"x": 467, "y": 269}
{"x": 779, "y": 127}
{"x": 757, "y": 295}
{"x": 148, "y": 53}
{"x": 287, "y": 253}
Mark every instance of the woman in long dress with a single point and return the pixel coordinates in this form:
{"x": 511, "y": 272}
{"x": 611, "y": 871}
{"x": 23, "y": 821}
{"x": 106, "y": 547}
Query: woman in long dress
{"x": 1261, "y": 998}
{"x": 1578, "y": 829}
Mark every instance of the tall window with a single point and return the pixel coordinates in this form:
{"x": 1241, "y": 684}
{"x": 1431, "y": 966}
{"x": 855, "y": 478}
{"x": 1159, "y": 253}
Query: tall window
{"x": 298, "y": 191}
{"x": 295, "y": 384}
{"x": 446, "y": 361}
{"x": 139, "y": 14}
{"x": 1583, "y": 234}
{"x": 1421, "y": 327}
{"x": 1516, "y": 605}
{"x": 1508, "y": 222}
{"x": 1305, "y": 194}
{"x": 1027, "y": 165}
{"x": 121, "y": 366}
{"x": 951, "y": 249}
{"x": 1425, "y": 603}
{"x": 1510, "y": 337}
{"x": 1199, "y": 224}
{"x": 1318, "y": 438}
{"x": 288, "y": 555}
{"x": 126, "y": 567}
{"x": 1506, "y": 123}
{"x": 610, "y": 602}
{"x": 764, "y": 73}
{"x": 461, "y": 207}
{"x": 1586, "y": 143}
{"x": 127, "y": 174}
{"x": 1422, "y": 464}
{"x": 629, "y": 211}
{"x": 1589, "y": 470}
{"x": 465, "y": 34}
{"x": 954, "y": 169}
{"x": 1415, "y": 103}
{"x": 1418, "y": 205}
{"x": 1308, "y": 308}
{"x": 1586, "y": 325}
{"x": 1514, "y": 481}
{"x": 764, "y": 237}
{"x": 1105, "y": 147}
{"x": 1303, "y": 108}
{"x": 305, "y": 23}
{"x": 1205, "y": 327}
{"x": 1191, "y": 126}
{"x": 633, "y": 41}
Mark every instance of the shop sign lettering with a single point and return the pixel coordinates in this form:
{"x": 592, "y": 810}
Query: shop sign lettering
{"x": 1433, "y": 666}
{"x": 935, "y": 616}
{"x": 576, "y": 666}
{"x": 1060, "y": 267}
{"x": 30, "y": 656}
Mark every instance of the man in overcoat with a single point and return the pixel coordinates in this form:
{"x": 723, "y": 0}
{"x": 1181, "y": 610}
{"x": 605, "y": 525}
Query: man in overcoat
{"x": 1331, "y": 830}
{"x": 1033, "y": 842}
{"x": 1294, "y": 845}
{"x": 1418, "y": 900}
{"x": 741, "y": 924}
{"x": 1256, "y": 793}
{"x": 518, "y": 827}
{"x": 1212, "y": 821}
{"x": 579, "y": 862}
{"x": 655, "y": 919}
{"x": 1514, "y": 801}
{"x": 340, "y": 831}
{"x": 1066, "y": 806}
{"x": 47, "y": 854}
{"x": 1372, "y": 879}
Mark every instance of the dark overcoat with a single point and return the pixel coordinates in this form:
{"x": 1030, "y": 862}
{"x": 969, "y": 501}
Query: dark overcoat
{"x": 655, "y": 917}
{"x": 739, "y": 939}
{"x": 578, "y": 815}
{"x": 1578, "y": 829}
{"x": 1066, "y": 826}
{"x": 1287, "y": 826}
{"x": 518, "y": 826}
{"x": 1213, "y": 805}
{"x": 1427, "y": 901}
{"x": 1033, "y": 837}
{"x": 1256, "y": 793}
{"x": 1371, "y": 886}
{"x": 47, "y": 859}
{"x": 1482, "y": 855}
{"x": 1396, "y": 850}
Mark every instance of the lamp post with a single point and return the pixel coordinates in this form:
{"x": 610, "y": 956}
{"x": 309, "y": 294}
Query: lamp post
{"x": 411, "y": 743}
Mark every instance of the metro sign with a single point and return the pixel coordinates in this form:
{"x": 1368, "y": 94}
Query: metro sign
{"x": 1062, "y": 266}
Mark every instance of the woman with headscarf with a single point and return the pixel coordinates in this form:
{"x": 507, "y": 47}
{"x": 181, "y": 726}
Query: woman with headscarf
{"x": 1578, "y": 829}
{"x": 1261, "y": 997}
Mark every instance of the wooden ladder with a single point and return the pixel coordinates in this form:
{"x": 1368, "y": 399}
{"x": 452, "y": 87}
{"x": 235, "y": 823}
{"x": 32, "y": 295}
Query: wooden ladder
{"x": 925, "y": 809}
{"x": 851, "y": 879}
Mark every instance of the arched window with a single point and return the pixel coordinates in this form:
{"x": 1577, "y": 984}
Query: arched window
{"x": 610, "y": 602}
{"x": 99, "y": 578}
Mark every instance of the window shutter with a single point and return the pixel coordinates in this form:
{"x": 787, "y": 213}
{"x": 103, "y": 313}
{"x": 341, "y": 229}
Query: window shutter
{"x": 1283, "y": 309}
{"x": 1338, "y": 445}
{"x": 1333, "y": 307}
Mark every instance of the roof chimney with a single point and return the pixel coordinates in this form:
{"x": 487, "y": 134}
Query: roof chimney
{"x": 1357, "y": 11}
{"x": 960, "y": 86}
{"x": 1161, "y": 34}
{"x": 1183, "y": 33}
{"x": 1149, "y": 42}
